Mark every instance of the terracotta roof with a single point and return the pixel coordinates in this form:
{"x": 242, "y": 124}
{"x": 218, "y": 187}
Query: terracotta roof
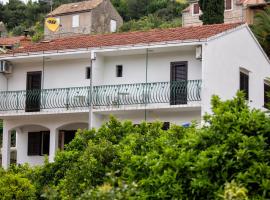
{"x": 129, "y": 38}
{"x": 9, "y": 41}
{"x": 75, "y": 7}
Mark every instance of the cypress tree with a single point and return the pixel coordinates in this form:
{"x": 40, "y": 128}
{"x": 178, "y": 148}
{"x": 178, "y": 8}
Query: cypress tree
{"x": 213, "y": 11}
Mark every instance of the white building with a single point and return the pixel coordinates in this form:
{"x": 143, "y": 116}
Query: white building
{"x": 167, "y": 75}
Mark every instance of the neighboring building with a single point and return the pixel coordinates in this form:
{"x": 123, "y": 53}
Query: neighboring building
{"x": 236, "y": 11}
{"x": 86, "y": 17}
{"x": 168, "y": 75}
{"x": 10, "y": 43}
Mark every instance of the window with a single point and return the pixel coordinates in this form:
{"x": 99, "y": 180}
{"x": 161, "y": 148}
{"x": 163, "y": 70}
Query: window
{"x": 228, "y": 4}
{"x": 196, "y": 9}
{"x": 75, "y": 21}
{"x": 88, "y": 72}
{"x": 113, "y": 25}
{"x": 244, "y": 83}
{"x": 266, "y": 95}
{"x": 119, "y": 71}
{"x": 38, "y": 143}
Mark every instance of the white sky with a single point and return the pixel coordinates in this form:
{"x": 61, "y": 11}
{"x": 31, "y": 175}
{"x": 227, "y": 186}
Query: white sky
{"x": 5, "y": 1}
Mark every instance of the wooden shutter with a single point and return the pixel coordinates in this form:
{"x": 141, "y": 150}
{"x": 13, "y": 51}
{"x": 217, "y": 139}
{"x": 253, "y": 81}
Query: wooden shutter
{"x": 228, "y": 4}
{"x": 196, "y": 8}
{"x": 34, "y": 144}
{"x": 244, "y": 84}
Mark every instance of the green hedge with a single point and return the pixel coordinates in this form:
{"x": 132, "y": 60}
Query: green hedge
{"x": 227, "y": 158}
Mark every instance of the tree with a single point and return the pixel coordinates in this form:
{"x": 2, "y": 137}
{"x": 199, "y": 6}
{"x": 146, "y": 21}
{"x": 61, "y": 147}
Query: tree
{"x": 261, "y": 29}
{"x": 213, "y": 11}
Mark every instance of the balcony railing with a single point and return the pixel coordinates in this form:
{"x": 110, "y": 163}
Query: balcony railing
{"x": 173, "y": 93}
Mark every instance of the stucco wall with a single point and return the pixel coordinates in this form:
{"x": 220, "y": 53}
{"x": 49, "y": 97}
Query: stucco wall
{"x": 222, "y": 60}
{"x": 134, "y": 67}
{"x": 57, "y": 74}
{"x": 102, "y": 15}
{"x": 237, "y": 14}
{"x": 3, "y": 82}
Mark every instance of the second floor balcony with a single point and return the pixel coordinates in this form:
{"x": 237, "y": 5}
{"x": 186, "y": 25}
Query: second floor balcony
{"x": 101, "y": 97}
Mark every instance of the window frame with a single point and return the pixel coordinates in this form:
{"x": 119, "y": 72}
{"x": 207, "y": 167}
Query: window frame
{"x": 114, "y": 28}
{"x": 225, "y": 9}
{"x": 119, "y": 74}
{"x": 193, "y": 7}
{"x": 39, "y": 143}
{"x": 245, "y": 89}
{"x": 77, "y": 18}
{"x": 266, "y": 101}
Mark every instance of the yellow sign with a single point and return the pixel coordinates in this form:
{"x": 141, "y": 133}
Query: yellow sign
{"x": 52, "y": 24}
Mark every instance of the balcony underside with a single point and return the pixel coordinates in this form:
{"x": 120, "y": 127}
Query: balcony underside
{"x": 106, "y": 98}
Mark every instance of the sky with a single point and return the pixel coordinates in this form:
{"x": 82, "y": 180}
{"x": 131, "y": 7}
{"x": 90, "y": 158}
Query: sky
{"x": 5, "y": 1}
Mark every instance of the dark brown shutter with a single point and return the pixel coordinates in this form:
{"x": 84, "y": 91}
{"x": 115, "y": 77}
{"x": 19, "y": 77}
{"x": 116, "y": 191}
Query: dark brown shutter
{"x": 228, "y": 4}
{"x": 266, "y": 95}
{"x": 34, "y": 143}
{"x": 244, "y": 84}
{"x": 196, "y": 8}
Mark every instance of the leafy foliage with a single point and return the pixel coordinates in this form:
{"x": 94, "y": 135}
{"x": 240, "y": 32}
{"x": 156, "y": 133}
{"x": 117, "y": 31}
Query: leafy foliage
{"x": 228, "y": 158}
{"x": 261, "y": 28}
{"x": 213, "y": 11}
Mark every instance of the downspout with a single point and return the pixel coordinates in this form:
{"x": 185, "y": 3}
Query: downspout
{"x": 146, "y": 81}
{"x": 90, "y": 122}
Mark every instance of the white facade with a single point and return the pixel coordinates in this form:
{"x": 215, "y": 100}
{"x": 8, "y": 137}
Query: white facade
{"x": 64, "y": 110}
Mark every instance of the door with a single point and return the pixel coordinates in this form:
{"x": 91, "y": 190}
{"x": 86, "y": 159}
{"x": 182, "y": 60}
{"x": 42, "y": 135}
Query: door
{"x": 33, "y": 91}
{"x": 178, "y": 83}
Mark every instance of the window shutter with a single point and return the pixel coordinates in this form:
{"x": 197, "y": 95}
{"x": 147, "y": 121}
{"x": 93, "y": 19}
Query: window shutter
{"x": 196, "y": 8}
{"x": 34, "y": 143}
{"x": 228, "y": 4}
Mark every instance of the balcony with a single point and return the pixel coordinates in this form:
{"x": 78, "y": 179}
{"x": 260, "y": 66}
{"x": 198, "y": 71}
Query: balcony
{"x": 103, "y": 97}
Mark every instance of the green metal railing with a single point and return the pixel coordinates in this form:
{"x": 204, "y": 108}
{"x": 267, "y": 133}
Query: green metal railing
{"x": 180, "y": 92}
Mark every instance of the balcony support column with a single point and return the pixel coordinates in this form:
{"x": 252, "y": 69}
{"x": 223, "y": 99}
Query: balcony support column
{"x": 6, "y": 147}
{"x": 53, "y": 143}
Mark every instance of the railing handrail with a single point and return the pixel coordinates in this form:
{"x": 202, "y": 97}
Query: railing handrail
{"x": 163, "y": 82}
{"x": 175, "y": 92}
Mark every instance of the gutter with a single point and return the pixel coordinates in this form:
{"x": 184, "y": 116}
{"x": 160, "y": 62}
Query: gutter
{"x": 177, "y": 43}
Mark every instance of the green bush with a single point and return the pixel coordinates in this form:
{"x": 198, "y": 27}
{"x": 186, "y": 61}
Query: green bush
{"x": 14, "y": 186}
{"x": 228, "y": 158}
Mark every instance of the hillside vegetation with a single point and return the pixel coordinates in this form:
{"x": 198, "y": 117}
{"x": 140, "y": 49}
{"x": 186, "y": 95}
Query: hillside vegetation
{"x": 137, "y": 14}
{"x": 228, "y": 158}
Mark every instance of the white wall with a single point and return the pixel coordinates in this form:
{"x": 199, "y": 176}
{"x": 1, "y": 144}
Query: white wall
{"x": 134, "y": 67}
{"x": 3, "y": 82}
{"x": 222, "y": 59}
{"x": 57, "y": 74}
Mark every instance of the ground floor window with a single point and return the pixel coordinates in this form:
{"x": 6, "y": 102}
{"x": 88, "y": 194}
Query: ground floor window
{"x": 38, "y": 143}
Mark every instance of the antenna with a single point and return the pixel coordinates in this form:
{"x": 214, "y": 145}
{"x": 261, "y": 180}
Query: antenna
{"x": 50, "y": 2}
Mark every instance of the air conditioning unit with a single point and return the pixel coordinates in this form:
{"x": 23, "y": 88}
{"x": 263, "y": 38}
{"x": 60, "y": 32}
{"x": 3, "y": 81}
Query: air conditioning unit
{"x": 5, "y": 67}
{"x": 199, "y": 52}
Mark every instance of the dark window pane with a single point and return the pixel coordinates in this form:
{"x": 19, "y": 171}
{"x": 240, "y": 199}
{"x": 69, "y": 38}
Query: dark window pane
{"x": 88, "y": 73}
{"x": 266, "y": 96}
{"x": 34, "y": 143}
{"x": 196, "y": 8}
{"x": 244, "y": 84}
{"x": 45, "y": 143}
{"x": 119, "y": 71}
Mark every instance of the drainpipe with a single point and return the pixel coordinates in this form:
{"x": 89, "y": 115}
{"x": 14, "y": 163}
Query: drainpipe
{"x": 90, "y": 121}
{"x": 146, "y": 81}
